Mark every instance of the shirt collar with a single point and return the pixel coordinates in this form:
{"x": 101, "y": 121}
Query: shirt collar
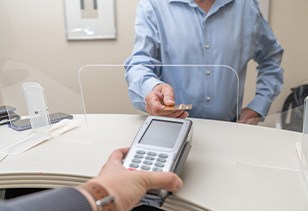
{"x": 218, "y": 2}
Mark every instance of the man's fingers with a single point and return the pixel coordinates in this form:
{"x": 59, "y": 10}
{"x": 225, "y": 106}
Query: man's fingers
{"x": 184, "y": 115}
{"x": 118, "y": 154}
{"x": 176, "y": 114}
{"x": 168, "y": 95}
{"x": 169, "y": 100}
{"x": 252, "y": 121}
{"x": 248, "y": 116}
{"x": 154, "y": 106}
{"x": 165, "y": 180}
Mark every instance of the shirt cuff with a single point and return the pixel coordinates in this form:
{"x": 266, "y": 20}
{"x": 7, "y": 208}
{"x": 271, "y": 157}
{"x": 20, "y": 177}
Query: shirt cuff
{"x": 149, "y": 84}
{"x": 261, "y": 105}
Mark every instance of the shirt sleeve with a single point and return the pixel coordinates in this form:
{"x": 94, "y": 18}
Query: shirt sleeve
{"x": 50, "y": 200}
{"x": 144, "y": 65}
{"x": 268, "y": 55}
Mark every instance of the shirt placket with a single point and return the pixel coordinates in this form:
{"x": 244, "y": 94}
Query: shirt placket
{"x": 207, "y": 69}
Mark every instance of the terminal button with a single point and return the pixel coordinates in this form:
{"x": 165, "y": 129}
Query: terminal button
{"x": 141, "y": 152}
{"x": 145, "y": 168}
{"x": 157, "y": 169}
{"x": 147, "y": 162}
{"x": 163, "y": 155}
{"x": 162, "y": 160}
{"x": 159, "y": 165}
{"x": 133, "y": 165}
{"x": 136, "y": 160}
{"x": 149, "y": 158}
{"x": 138, "y": 156}
{"x": 152, "y": 153}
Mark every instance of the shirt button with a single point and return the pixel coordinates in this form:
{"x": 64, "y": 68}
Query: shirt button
{"x": 208, "y": 98}
{"x": 207, "y": 46}
{"x": 208, "y": 72}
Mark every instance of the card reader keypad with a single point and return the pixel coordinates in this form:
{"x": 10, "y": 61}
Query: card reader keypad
{"x": 148, "y": 160}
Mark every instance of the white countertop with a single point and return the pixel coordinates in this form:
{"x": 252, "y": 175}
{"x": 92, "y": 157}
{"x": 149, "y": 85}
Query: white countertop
{"x": 230, "y": 166}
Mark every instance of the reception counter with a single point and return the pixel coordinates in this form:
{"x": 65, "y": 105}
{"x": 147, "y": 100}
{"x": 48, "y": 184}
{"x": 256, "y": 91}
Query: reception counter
{"x": 230, "y": 166}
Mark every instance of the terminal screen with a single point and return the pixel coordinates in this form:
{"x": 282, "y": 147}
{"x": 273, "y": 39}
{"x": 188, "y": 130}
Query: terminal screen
{"x": 162, "y": 133}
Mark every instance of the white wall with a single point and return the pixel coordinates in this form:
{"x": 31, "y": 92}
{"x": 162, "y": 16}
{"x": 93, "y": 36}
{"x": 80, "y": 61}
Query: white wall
{"x": 33, "y": 46}
{"x": 36, "y": 49}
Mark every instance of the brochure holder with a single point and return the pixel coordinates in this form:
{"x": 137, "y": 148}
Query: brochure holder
{"x": 37, "y": 108}
{"x": 39, "y": 119}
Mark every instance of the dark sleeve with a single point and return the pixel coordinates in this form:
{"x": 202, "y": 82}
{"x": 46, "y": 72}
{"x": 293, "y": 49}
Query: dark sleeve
{"x": 52, "y": 200}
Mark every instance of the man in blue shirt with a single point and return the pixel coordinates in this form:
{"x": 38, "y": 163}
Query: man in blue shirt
{"x": 196, "y": 52}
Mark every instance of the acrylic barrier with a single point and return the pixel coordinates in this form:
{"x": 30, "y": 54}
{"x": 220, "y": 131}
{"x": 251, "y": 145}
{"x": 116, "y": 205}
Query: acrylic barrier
{"x": 105, "y": 91}
{"x": 268, "y": 151}
{"x": 255, "y": 149}
{"x": 32, "y": 111}
{"x": 289, "y": 119}
{"x": 287, "y": 109}
{"x": 303, "y": 146}
{"x": 33, "y": 96}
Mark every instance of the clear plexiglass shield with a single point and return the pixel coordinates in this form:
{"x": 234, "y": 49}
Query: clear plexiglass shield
{"x": 219, "y": 101}
{"x": 302, "y": 147}
{"x": 109, "y": 110}
{"x": 284, "y": 128}
{"x": 32, "y": 110}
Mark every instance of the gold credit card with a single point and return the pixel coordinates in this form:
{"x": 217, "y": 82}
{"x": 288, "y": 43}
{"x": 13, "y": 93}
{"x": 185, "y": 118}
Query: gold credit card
{"x": 178, "y": 107}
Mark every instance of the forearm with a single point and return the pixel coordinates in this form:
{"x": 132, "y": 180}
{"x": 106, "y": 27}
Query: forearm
{"x": 56, "y": 199}
{"x": 269, "y": 81}
{"x": 144, "y": 65}
{"x": 268, "y": 55}
{"x": 140, "y": 80}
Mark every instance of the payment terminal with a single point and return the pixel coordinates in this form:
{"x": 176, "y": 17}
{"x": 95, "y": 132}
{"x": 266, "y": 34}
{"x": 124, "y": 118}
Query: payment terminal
{"x": 161, "y": 144}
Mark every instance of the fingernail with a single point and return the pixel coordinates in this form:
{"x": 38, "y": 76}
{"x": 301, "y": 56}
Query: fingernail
{"x": 179, "y": 186}
{"x": 187, "y": 114}
{"x": 170, "y": 101}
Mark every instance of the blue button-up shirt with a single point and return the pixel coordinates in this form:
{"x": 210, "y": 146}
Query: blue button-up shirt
{"x": 214, "y": 49}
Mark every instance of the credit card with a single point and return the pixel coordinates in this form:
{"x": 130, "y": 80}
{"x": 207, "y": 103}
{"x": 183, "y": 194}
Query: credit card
{"x": 178, "y": 107}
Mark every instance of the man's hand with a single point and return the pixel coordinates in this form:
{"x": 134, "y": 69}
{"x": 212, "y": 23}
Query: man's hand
{"x": 249, "y": 116}
{"x": 162, "y": 95}
{"x": 128, "y": 186}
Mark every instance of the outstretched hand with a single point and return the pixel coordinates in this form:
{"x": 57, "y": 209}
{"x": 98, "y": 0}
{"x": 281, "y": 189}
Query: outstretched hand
{"x": 161, "y": 96}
